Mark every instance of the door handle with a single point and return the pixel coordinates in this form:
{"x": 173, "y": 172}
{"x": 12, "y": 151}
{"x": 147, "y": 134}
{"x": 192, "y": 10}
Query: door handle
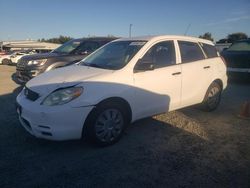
{"x": 176, "y": 73}
{"x": 206, "y": 67}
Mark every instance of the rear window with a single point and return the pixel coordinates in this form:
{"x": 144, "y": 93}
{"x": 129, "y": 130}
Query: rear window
{"x": 190, "y": 51}
{"x": 210, "y": 50}
{"x": 240, "y": 46}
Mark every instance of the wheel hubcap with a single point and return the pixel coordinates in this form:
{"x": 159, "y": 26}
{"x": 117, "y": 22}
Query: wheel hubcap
{"x": 214, "y": 97}
{"x": 109, "y": 125}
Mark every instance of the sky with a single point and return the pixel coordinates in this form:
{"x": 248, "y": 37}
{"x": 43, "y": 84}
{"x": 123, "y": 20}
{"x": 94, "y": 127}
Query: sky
{"x": 31, "y": 19}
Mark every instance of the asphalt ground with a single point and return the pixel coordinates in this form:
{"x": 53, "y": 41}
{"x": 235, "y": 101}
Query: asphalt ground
{"x": 184, "y": 148}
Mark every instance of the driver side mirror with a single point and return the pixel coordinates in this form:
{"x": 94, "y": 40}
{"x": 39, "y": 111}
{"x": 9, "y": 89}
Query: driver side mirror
{"x": 143, "y": 65}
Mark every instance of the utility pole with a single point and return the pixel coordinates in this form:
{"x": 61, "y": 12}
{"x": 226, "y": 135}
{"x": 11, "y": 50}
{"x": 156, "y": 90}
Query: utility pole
{"x": 130, "y": 28}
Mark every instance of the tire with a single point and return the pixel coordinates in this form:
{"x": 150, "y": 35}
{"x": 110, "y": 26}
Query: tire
{"x": 212, "y": 97}
{"x": 106, "y": 123}
{"x": 6, "y": 62}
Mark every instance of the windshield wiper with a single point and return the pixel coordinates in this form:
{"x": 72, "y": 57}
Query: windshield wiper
{"x": 92, "y": 65}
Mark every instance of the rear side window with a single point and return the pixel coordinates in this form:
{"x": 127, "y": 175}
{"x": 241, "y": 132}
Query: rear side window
{"x": 209, "y": 50}
{"x": 190, "y": 51}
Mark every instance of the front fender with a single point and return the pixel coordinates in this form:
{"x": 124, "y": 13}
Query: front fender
{"x": 95, "y": 92}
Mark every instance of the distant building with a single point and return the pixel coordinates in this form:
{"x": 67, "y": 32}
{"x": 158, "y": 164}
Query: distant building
{"x": 27, "y": 45}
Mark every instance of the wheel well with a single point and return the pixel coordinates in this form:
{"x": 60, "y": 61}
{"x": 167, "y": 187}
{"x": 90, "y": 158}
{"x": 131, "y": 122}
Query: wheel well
{"x": 218, "y": 81}
{"x": 119, "y": 101}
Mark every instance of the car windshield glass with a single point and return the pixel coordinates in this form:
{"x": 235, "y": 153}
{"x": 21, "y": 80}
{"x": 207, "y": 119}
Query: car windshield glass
{"x": 113, "y": 56}
{"x": 68, "y": 47}
{"x": 240, "y": 46}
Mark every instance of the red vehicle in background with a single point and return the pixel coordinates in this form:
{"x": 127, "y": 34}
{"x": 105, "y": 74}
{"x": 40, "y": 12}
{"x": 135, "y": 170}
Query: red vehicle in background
{"x": 2, "y": 53}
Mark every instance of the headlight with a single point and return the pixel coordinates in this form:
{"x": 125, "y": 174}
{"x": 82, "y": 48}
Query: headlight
{"x": 37, "y": 62}
{"x": 62, "y": 96}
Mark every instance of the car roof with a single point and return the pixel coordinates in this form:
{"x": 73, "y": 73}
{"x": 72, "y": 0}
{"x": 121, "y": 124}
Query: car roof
{"x": 95, "y": 39}
{"x": 162, "y": 37}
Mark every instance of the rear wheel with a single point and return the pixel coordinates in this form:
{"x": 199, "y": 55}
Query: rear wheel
{"x": 212, "y": 98}
{"x": 106, "y": 124}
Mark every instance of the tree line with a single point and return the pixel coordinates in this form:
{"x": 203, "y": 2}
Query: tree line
{"x": 59, "y": 40}
{"x": 231, "y": 38}
{"x": 62, "y": 39}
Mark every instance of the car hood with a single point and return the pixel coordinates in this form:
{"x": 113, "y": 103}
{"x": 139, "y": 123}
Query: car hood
{"x": 40, "y": 56}
{"x": 63, "y": 77}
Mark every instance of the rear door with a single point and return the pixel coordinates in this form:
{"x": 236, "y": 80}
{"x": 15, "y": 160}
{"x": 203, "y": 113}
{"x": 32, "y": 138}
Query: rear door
{"x": 194, "y": 70}
{"x": 211, "y": 63}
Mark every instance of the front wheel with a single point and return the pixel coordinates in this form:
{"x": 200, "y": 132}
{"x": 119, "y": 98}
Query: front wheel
{"x": 106, "y": 124}
{"x": 212, "y": 97}
{"x": 6, "y": 61}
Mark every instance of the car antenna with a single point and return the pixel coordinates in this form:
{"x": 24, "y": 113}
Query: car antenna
{"x": 187, "y": 29}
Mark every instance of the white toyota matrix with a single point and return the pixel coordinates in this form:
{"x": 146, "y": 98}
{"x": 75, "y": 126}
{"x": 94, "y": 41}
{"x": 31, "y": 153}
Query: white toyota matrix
{"x": 123, "y": 81}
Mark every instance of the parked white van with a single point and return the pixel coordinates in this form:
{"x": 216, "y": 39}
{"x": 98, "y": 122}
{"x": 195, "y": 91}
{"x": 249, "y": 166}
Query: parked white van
{"x": 123, "y": 81}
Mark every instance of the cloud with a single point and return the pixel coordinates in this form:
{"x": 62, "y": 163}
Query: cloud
{"x": 229, "y": 20}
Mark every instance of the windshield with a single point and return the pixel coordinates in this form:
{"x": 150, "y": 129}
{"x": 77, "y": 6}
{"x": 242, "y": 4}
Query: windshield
{"x": 240, "y": 46}
{"x": 113, "y": 56}
{"x": 68, "y": 47}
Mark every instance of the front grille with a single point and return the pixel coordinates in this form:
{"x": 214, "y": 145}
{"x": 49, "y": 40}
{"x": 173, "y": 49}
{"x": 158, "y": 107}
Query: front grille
{"x": 21, "y": 64}
{"x": 31, "y": 95}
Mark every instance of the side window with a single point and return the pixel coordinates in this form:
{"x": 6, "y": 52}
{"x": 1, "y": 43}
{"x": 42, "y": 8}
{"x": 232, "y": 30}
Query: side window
{"x": 161, "y": 54}
{"x": 190, "y": 51}
{"x": 87, "y": 47}
{"x": 209, "y": 50}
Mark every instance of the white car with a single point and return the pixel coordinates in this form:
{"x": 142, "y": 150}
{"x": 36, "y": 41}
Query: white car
{"x": 5, "y": 59}
{"x": 13, "y": 57}
{"x": 17, "y": 55}
{"x": 126, "y": 80}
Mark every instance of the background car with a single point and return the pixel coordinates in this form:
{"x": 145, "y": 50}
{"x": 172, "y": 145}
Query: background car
{"x": 237, "y": 58}
{"x": 11, "y": 57}
{"x": 67, "y": 54}
{"x": 2, "y": 53}
{"x": 19, "y": 54}
{"x": 5, "y": 58}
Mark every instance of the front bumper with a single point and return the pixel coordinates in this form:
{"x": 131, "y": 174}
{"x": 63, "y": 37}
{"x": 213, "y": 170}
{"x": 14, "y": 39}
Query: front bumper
{"x": 52, "y": 123}
{"x": 24, "y": 74}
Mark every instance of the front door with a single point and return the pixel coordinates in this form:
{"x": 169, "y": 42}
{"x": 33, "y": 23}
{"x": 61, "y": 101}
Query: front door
{"x": 159, "y": 89}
